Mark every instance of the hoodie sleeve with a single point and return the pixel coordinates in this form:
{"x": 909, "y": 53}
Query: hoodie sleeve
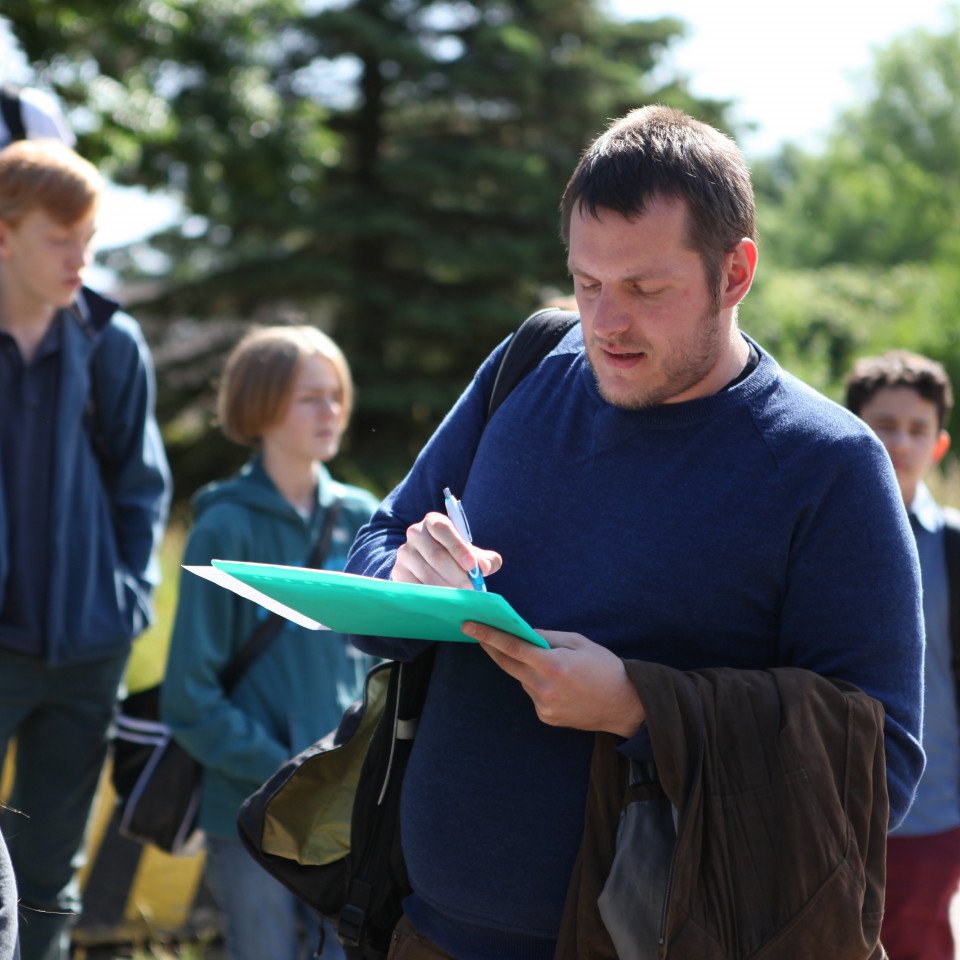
{"x": 209, "y": 626}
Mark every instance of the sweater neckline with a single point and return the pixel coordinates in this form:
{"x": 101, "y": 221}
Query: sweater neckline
{"x": 688, "y": 412}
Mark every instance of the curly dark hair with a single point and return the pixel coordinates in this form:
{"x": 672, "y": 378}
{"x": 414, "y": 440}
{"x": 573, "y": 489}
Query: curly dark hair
{"x": 900, "y": 368}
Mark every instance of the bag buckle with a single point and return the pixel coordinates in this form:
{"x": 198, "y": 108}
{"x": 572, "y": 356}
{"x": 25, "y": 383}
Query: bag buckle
{"x": 350, "y": 924}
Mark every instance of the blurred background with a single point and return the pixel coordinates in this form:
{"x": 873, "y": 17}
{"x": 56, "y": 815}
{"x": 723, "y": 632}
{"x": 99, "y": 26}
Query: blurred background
{"x": 390, "y": 170}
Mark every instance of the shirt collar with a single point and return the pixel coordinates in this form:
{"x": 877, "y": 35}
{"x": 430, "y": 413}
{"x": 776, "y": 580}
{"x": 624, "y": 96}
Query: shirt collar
{"x": 50, "y": 342}
{"x": 926, "y": 509}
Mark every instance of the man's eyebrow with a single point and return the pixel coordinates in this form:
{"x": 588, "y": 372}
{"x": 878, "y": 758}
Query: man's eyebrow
{"x": 663, "y": 277}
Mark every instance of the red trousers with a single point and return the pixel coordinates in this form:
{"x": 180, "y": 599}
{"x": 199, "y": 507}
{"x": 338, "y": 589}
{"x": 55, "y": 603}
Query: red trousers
{"x": 923, "y": 874}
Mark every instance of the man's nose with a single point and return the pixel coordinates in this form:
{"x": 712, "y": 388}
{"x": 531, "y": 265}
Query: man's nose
{"x": 610, "y": 315}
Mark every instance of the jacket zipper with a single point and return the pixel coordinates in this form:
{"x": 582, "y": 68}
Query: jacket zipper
{"x": 662, "y": 936}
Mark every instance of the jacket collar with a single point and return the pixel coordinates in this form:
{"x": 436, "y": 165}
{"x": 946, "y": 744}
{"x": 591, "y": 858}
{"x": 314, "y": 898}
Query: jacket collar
{"x": 92, "y": 311}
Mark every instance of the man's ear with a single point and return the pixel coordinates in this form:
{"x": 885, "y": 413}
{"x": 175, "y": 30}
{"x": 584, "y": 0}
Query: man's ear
{"x": 941, "y": 447}
{"x": 5, "y": 229}
{"x": 739, "y": 266}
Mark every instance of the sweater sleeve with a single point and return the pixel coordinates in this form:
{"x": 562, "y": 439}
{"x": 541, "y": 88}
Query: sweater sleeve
{"x": 444, "y": 461}
{"x": 138, "y": 477}
{"x": 852, "y": 609}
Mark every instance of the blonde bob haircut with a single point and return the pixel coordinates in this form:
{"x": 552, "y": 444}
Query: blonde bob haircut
{"x": 46, "y": 175}
{"x": 257, "y": 385}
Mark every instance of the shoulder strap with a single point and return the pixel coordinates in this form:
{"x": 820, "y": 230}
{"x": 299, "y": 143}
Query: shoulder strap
{"x": 12, "y": 114}
{"x": 951, "y": 542}
{"x": 269, "y": 629}
{"x": 530, "y": 343}
{"x": 91, "y": 416}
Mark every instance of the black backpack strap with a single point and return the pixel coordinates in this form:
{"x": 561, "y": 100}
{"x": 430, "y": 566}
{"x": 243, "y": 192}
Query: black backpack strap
{"x": 530, "y": 343}
{"x": 268, "y": 630}
{"x": 951, "y": 543}
{"x": 12, "y": 114}
{"x": 358, "y": 923}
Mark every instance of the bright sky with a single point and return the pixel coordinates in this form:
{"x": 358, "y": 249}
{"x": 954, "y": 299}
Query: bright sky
{"x": 791, "y": 67}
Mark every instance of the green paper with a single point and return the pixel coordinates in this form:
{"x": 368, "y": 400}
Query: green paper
{"x": 349, "y": 603}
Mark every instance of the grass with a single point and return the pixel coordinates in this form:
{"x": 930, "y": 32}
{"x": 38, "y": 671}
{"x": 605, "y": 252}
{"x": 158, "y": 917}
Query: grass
{"x": 153, "y": 951}
{"x": 944, "y": 483}
{"x": 149, "y": 656}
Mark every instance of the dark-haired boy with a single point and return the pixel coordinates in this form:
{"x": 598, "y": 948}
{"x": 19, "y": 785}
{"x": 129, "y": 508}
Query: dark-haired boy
{"x": 906, "y": 398}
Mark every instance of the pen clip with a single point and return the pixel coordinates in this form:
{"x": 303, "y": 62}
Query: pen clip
{"x": 461, "y": 513}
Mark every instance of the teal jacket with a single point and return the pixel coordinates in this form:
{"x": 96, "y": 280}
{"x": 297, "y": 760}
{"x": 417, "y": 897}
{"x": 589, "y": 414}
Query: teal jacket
{"x": 295, "y": 692}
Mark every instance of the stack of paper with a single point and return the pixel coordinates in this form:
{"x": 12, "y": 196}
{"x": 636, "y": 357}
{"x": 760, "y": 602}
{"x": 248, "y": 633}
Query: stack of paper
{"x": 347, "y": 603}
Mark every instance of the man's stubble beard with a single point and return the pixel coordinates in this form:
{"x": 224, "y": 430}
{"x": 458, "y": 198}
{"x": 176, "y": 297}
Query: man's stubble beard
{"x": 685, "y": 367}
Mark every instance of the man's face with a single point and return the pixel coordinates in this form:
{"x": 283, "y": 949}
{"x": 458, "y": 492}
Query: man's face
{"x": 908, "y": 426}
{"x": 653, "y": 329}
{"x": 43, "y": 260}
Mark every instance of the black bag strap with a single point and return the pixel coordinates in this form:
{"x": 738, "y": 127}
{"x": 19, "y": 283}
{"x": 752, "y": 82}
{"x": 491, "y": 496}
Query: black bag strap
{"x": 269, "y": 629}
{"x": 12, "y": 114}
{"x": 530, "y": 343}
{"x": 951, "y": 543}
{"x": 409, "y": 680}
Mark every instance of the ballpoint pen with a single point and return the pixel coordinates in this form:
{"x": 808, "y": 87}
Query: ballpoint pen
{"x": 458, "y": 518}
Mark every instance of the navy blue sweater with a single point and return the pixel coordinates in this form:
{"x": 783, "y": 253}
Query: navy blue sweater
{"x": 757, "y": 527}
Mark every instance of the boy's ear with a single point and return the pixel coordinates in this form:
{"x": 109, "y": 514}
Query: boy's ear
{"x": 941, "y": 446}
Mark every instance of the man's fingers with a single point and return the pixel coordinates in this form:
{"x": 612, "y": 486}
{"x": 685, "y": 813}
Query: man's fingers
{"x": 465, "y": 555}
{"x": 434, "y": 553}
{"x": 504, "y": 643}
{"x": 490, "y": 561}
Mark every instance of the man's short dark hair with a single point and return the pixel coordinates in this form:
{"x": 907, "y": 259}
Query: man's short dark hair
{"x": 656, "y": 151}
{"x": 900, "y": 368}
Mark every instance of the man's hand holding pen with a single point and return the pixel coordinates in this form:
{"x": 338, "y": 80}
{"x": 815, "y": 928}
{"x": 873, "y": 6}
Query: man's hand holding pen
{"x": 576, "y": 683}
{"x": 435, "y": 553}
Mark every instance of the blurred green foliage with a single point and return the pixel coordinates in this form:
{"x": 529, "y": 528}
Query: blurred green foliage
{"x": 860, "y": 241}
{"x": 391, "y": 170}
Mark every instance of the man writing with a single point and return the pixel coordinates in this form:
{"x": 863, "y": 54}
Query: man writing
{"x": 657, "y": 489}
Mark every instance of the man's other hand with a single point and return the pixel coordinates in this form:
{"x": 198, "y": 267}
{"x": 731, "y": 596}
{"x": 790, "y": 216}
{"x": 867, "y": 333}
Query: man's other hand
{"x": 576, "y": 683}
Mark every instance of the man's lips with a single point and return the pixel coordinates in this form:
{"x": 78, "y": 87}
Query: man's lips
{"x": 622, "y": 359}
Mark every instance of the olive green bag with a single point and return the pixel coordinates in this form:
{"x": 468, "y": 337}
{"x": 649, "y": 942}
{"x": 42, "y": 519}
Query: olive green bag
{"x": 326, "y": 824}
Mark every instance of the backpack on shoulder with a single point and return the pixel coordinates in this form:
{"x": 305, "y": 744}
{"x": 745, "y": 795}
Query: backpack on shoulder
{"x": 326, "y": 824}
{"x": 12, "y": 112}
